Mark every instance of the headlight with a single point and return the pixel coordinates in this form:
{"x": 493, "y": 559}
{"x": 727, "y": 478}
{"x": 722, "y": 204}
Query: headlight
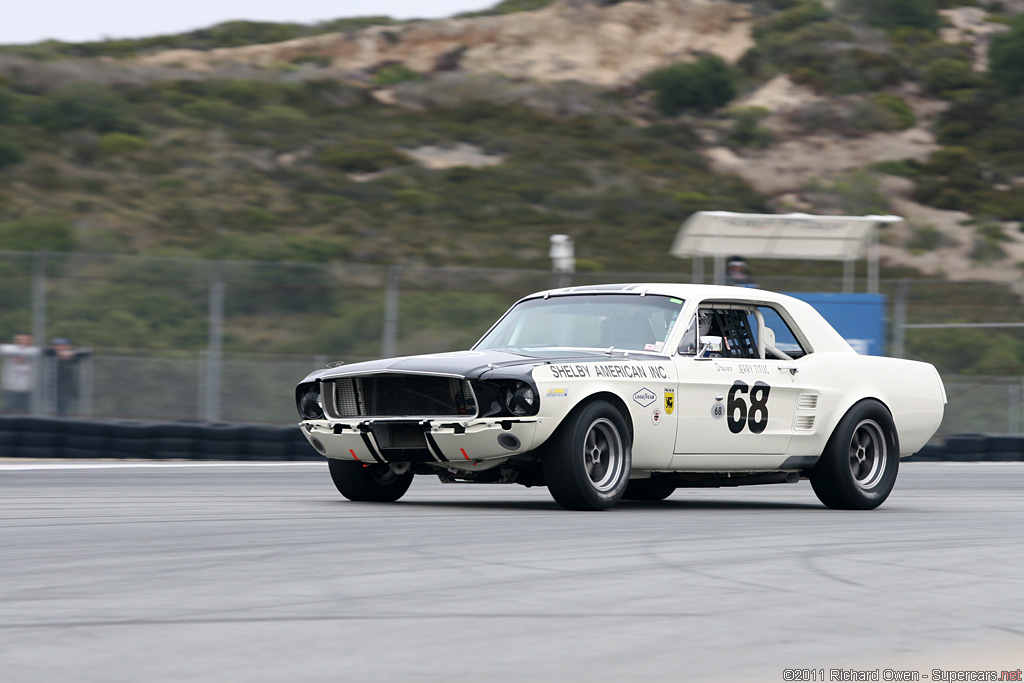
{"x": 311, "y": 407}
{"x": 520, "y": 399}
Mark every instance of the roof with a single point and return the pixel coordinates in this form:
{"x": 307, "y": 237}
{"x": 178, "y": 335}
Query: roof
{"x": 779, "y": 236}
{"x": 676, "y": 289}
{"x": 819, "y": 332}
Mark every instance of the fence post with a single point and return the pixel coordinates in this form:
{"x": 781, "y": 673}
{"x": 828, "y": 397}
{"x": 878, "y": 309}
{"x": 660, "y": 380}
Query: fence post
{"x": 1013, "y": 408}
{"x": 873, "y": 262}
{"x": 87, "y": 377}
{"x": 214, "y": 345}
{"x": 389, "y": 337}
{"x": 899, "y": 320}
{"x": 719, "y": 269}
{"x": 39, "y": 329}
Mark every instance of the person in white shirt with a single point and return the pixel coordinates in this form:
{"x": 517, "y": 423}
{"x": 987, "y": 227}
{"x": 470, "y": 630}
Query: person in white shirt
{"x": 19, "y": 373}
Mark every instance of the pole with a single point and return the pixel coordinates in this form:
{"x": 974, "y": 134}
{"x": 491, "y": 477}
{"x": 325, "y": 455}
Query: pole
{"x": 389, "y": 338}
{"x": 848, "y": 276}
{"x": 719, "y": 269}
{"x": 873, "y": 263}
{"x": 899, "y": 320}
{"x": 215, "y": 343}
{"x": 698, "y": 270}
{"x": 39, "y": 329}
{"x": 1013, "y": 405}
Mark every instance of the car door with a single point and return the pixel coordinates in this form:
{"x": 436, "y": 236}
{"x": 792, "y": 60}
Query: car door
{"x": 733, "y": 401}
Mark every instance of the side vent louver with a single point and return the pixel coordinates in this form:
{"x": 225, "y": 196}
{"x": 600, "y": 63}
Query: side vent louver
{"x": 807, "y": 402}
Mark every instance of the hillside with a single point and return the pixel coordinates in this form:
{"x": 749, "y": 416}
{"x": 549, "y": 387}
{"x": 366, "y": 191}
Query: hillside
{"x": 469, "y": 140}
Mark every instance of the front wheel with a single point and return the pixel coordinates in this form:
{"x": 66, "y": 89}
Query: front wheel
{"x": 586, "y": 463}
{"x": 858, "y": 468}
{"x": 370, "y": 483}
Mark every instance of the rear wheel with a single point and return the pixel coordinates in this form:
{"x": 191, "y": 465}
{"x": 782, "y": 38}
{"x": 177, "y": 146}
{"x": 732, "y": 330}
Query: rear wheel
{"x": 372, "y": 483}
{"x": 649, "y": 489}
{"x": 858, "y": 468}
{"x": 586, "y": 463}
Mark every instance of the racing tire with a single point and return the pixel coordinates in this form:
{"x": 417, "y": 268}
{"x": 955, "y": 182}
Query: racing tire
{"x": 649, "y": 489}
{"x": 368, "y": 483}
{"x": 858, "y": 468}
{"x": 586, "y": 463}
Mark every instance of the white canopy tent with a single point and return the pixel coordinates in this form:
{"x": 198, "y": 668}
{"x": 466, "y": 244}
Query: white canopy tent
{"x": 782, "y": 236}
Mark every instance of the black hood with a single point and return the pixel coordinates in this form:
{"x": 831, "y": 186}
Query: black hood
{"x": 468, "y": 364}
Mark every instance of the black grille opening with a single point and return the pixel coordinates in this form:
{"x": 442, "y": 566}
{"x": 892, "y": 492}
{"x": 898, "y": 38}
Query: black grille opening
{"x": 402, "y": 396}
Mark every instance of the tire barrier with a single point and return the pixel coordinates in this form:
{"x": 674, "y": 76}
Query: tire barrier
{"x": 62, "y": 438}
{"x": 50, "y": 437}
{"x": 975, "y": 448}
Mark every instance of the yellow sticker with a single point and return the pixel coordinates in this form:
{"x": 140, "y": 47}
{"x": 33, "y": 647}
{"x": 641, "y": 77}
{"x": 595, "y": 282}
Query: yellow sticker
{"x": 670, "y": 401}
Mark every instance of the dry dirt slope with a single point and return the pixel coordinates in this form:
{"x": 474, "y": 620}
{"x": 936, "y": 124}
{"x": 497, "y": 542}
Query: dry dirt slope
{"x": 612, "y": 46}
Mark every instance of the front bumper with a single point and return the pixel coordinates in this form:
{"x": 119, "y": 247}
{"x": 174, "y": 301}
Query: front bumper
{"x": 456, "y": 444}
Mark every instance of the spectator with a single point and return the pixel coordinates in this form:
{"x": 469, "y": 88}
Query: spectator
{"x": 67, "y": 374}
{"x": 19, "y": 374}
{"x": 738, "y": 272}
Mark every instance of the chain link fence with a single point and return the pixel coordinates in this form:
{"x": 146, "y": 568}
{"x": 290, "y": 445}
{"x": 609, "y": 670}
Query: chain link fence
{"x": 187, "y": 339}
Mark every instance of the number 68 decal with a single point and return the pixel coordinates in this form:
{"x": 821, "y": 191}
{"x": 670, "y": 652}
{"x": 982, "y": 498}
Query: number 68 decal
{"x": 756, "y": 415}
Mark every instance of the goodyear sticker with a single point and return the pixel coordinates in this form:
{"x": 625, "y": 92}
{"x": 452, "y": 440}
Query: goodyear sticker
{"x": 558, "y": 393}
{"x": 670, "y": 401}
{"x": 645, "y": 397}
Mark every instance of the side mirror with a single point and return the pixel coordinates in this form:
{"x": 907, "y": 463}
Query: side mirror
{"x": 710, "y": 344}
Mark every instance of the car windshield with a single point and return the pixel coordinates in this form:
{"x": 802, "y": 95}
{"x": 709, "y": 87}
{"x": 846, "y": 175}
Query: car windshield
{"x": 591, "y": 321}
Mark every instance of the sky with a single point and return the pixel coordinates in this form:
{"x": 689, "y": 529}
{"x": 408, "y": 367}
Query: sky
{"x": 30, "y": 21}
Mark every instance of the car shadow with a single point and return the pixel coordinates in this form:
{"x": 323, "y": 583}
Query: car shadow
{"x": 550, "y": 505}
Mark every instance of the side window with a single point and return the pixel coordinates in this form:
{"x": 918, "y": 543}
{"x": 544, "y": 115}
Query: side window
{"x": 785, "y": 340}
{"x": 737, "y": 334}
{"x": 732, "y": 325}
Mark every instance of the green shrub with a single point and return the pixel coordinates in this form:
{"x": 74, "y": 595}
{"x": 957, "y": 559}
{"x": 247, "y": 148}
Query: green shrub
{"x": 247, "y": 93}
{"x": 512, "y": 6}
{"x": 215, "y": 111}
{"x": 792, "y": 18}
{"x": 900, "y": 115}
{"x": 276, "y": 126}
{"x": 820, "y": 53}
{"x": 925, "y": 238}
{"x": 855, "y": 193}
{"x": 891, "y": 14}
{"x": 8, "y": 105}
{"x": 362, "y": 157}
{"x": 393, "y": 74}
{"x": 86, "y": 105}
{"x": 943, "y": 76}
{"x": 988, "y": 238}
{"x": 907, "y": 168}
{"x": 747, "y": 130}
{"x": 860, "y": 193}
{"x": 116, "y": 144}
{"x": 1006, "y": 58}
{"x": 42, "y": 232}
{"x": 704, "y": 85}
{"x": 10, "y": 151}
{"x": 251, "y": 219}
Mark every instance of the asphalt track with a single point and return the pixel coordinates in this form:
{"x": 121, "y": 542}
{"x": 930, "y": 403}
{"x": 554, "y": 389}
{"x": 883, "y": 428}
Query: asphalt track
{"x": 261, "y": 572}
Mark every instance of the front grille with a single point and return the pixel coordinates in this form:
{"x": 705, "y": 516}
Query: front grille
{"x": 395, "y": 395}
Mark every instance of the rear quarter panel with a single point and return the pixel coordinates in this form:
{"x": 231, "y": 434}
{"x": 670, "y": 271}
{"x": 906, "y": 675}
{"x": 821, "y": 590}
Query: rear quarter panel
{"x": 911, "y": 390}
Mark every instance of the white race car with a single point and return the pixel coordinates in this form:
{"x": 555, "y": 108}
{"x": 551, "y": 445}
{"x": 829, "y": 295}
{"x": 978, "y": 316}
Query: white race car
{"x": 630, "y": 391}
